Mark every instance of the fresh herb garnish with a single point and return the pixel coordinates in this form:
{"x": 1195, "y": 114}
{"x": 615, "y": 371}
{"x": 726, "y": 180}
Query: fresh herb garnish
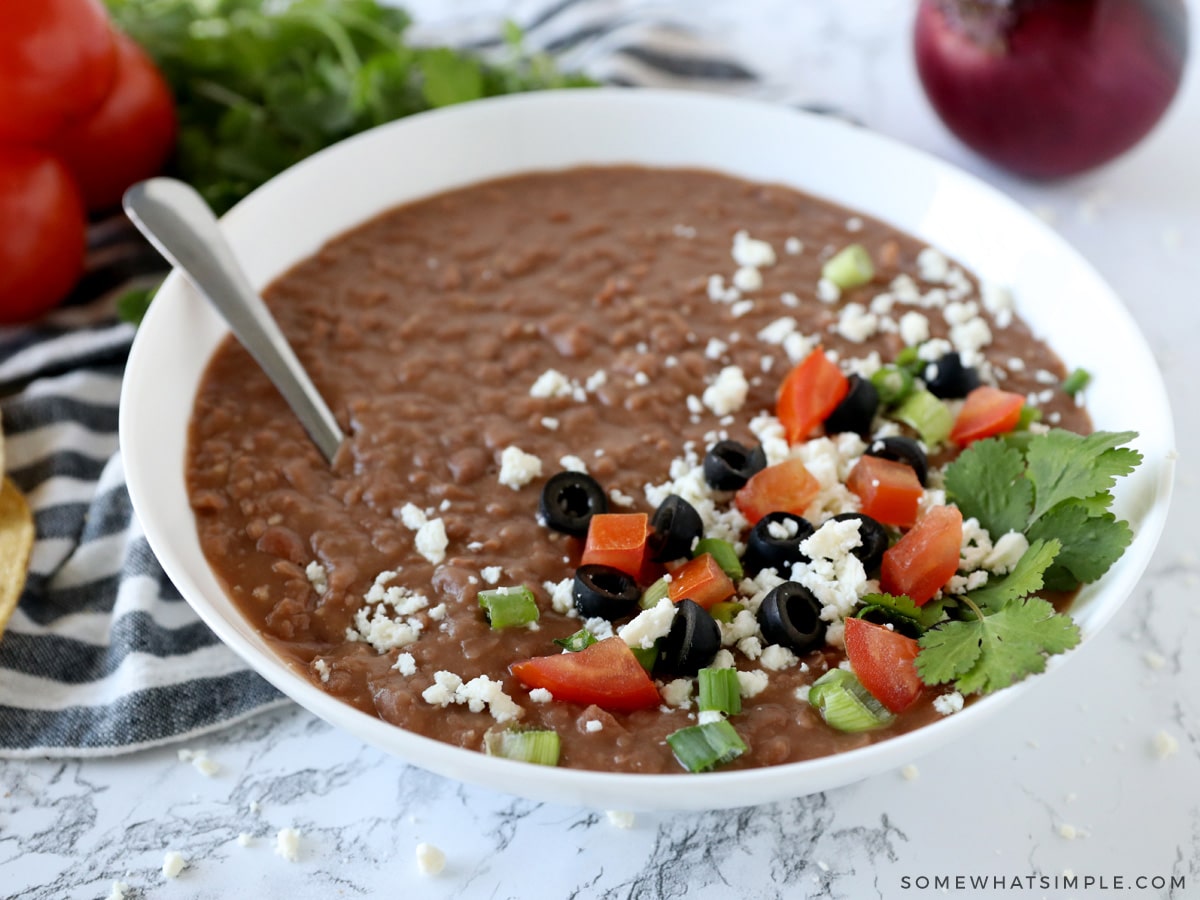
{"x": 260, "y": 86}
{"x": 1055, "y": 488}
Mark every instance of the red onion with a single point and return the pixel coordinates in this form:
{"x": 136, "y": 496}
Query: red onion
{"x": 1050, "y": 87}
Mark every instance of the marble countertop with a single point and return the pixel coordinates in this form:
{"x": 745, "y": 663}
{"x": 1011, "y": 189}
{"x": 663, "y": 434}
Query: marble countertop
{"x": 1068, "y": 781}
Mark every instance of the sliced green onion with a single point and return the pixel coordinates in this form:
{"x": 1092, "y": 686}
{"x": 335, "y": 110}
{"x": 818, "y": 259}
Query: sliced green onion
{"x": 646, "y": 656}
{"x": 509, "y": 606}
{"x": 1076, "y": 381}
{"x": 893, "y": 383}
{"x": 850, "y": 267}
{"x": 657, "y": 591}
{"x": 928, "y": 415}
{"x": 910, "y": 360}
{"x": 720, "y": 690}
{"x": 700, "y": 748}
{"x": 577, "y": 641}
{"x": 723, "y": 553}
{"x": 1029, "y": 415}
{"x": 725, "y": 611}
{"x": 845, "y": 704}
{"x": 540, "y": 747}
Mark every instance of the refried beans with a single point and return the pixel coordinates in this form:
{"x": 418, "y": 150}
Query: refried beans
{"x": 578, "y": 315}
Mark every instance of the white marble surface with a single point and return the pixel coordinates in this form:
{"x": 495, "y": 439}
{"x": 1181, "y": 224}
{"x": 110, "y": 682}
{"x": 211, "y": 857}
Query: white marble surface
{"x": 1076, "y": 757}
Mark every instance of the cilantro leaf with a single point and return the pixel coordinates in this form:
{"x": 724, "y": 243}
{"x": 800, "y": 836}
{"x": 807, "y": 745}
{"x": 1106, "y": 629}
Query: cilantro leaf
{"x": 1025, "y": 578}
{"x": 994, "y": 651}
{"x": 925, "y": 616}
{"x": 449, "y": 77}
{"x": 987, "y": 483}
{"x": 1090, "y": 543}
{"x": 1067, "y": 466}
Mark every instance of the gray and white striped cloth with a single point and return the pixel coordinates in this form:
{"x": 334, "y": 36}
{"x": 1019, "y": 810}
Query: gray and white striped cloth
{"x": 102, "y": 655}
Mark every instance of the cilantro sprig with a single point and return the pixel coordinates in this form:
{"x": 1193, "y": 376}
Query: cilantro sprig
{"x": 259, "y": 86}
{"x": 1056, "y": 489}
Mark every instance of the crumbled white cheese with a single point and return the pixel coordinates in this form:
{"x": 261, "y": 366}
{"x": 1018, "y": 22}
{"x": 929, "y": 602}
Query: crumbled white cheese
{"x": 619, "y": 498}
{"x": 381, "y": 631}
{"x": 728, "y": 392}
{"x": 747, "y": 279}
{"x": 431, "y": 540}
{"x": 550, "y": 423}
{"x": 1070, "y": 832}
{"x": 540, "y": 695}
{"x": 776, "y": 332}
{"x": 723, "y": 660}
{"x": 518, "y": 468}
{"x": 600, "y": 628}
{"x": 1165, "y": 745}
{"x": 649, "y": 625}
{"x": 834, "y": 574}
{"x": 322, "y": 669}
{"x": 430, "y": 860}
{"x": 573, "y": 463}
{"x": 750, "y": 647}
{"x": 173, "y": 864}
{"x": 934, "y": 349}
{"x": 910, "y": 772}
{"x": 412, "y": 516}
{"x": 742, "y": 626}
{"x": 947, "y": 704}
{"x": 787, "y": 298}
{"x": 1154, "y": 660}
{"x": 562, "y": 596}
{"x": 1006, "y": 553}
{"x": 828, "y": 292}
{"x": 245, "y": 839}
{"x": 491, "y": 574}
{"x": 932, "y": 266}
{"x": 117, "y": 891}
{"x": 718, "y": 293}
{"x": 784, "y": 530}
{"x": 741, "y": 308}
{"x": 750, "y": 252}
{"x": 793, "y": 246}
{"x": 405, "y": 664}
{"x": 752, "y": 683}
{"x": 715, "y": 348}
{"x": 708, "y": 716}
{"x": 914, "y": 328}
{"x": 677, "y": 693}
{"x": 975, "y": 547}
{"x": 591, "y": 726}
{"x": 317, "y": 577}
{"x": 620, "y": 819}
{"x": 777, "y": 657}
{"x": 478, "y": 693}
{"x": 856, "y": 324}
{"x": 998, "y": 300}
{"x": 551, "y": 383}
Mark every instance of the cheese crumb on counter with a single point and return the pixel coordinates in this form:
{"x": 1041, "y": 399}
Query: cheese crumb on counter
{"x": 910, "y": 772}
{"x": 173, "y": 864}
{"x": 518, "y": 468}
{"x": 287, "y": 844}
{"x": 430, "y": 860}
{"x": 117, "y": 891}
{"x": 201, "y": 761}
{"x": 1165, "y": 745}
{"x": 620, "y": 819}
{"x": 245, "y": 840}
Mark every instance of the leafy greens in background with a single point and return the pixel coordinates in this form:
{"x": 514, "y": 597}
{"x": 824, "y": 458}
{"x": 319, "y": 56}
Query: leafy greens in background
{"x": 260, "y": 85}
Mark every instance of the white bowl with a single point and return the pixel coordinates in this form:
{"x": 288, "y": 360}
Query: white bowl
{"x": 1057, "y": 292}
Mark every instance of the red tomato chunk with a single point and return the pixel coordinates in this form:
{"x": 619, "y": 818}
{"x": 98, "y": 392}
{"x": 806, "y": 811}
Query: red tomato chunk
{"x": 617, "y": 540}
{"x": 606, "y": 674}
{"x": 986, "y": 413}
{"x": 883, "y": 660}
{"x": 811, "y": 391}
{"x": 889, "y": 490}
{"x": 783, "y": 487}
{"x": 922, "y": 561}
{"x": 702, "y": 581}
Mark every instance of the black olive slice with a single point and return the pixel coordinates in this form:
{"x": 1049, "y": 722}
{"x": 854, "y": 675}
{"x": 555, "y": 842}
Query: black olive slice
{"x": 569, "y": 500}
{"x": 873, "y": 537}
{"x": 692, "y": 642}
{"x": 948, "y": 378}
{"x": 791, "y": 615}
{"x": 605, "y": 592}
{"x": 902, "y": 449}
{"x": 857, "y": 410}
{"x": 772, "y": 543}
{"x": 728, "y": 465}
{"x": 674, "y": 528}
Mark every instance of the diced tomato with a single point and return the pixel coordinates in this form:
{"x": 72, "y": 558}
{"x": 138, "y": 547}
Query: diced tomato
{"x": 811, "y": 391}
{"x": 617, "y": 540}
{"x": 883, "y": 661}
{"x": 922, "y": 561}
{"x": 701, "y": 581}
{"x": 889, "y": 490}
{"x": 987, "y": 412}
{"x": 783, "y": 487}
{"x": 606, "y": 674}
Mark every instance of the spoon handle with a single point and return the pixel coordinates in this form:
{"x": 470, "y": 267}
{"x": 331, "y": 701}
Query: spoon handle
{"x": 177, "y": 221}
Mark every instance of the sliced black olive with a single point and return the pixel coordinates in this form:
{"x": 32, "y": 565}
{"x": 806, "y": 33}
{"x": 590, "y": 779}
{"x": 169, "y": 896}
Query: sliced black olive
{"x": 857, "y": 410}
{"x": 902, "y": 449}
{"x": 873, "y": 540}
{"x": 766, "y": 551}
{"x": 791, "y": 615}
{"x": 605, "y": 592}
{"x": 569, "y": 500}
{"x": 692, "y": 642}
{"x": 674, "y": 528}
{"x": 728, "y": 465}
{"x": 948, "y": 378}
{"x": 881, "y": 615}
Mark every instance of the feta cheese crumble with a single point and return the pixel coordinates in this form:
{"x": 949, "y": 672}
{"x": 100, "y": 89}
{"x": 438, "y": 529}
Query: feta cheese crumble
{"x": 478, "y": 693}
{"x": 287, "y": 844}
{"x": 173, "y": 864}
{"x": 649, "y": 625}
{"x": 430, "y": 860}
{"x": 518, "y": 468}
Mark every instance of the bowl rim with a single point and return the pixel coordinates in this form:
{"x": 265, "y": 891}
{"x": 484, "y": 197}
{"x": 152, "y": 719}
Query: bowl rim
{"x": 177, "y": 311}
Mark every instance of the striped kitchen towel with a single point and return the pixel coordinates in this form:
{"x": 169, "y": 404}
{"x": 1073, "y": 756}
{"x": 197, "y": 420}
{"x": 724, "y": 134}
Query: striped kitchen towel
{"x": 102, "y": 654}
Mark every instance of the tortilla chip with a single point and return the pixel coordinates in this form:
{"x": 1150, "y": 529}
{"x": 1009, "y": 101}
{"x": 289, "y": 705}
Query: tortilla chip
{"x": 16, "y": 543}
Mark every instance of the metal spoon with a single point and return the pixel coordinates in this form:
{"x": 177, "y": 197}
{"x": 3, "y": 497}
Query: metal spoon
{"x": 180, "y": 224}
